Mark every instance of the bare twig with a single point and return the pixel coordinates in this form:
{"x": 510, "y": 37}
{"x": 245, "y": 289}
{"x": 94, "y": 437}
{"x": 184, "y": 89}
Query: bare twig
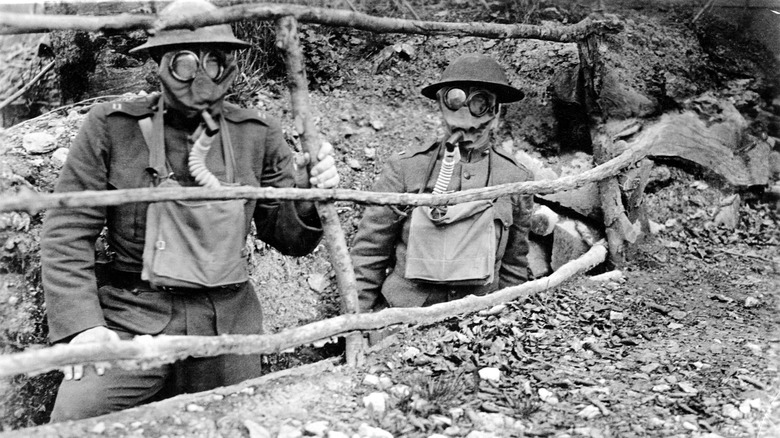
{"x": 36, "y": 202}
{"x": 597, "y": 403}
{"x": 31, "y": 23}
{"x": 70, "y": 105}
{"x": 739, "y": 254}
{"x": 706, "y": 7}
{"x": 411, "y": 9}
{"x": 658, "y": 308}
{"x": 351, "y": 5}
{"x": 755, "y": 382}
{"x": 168, "y": 349}
{"x": 29, "y": 85}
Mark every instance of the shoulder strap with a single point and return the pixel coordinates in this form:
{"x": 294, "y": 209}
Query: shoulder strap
{"x": 431, "y": 166}
{"x": 146, "y": 129}
{"x": 227, "y": 151}
{"x": 155, "y": 143}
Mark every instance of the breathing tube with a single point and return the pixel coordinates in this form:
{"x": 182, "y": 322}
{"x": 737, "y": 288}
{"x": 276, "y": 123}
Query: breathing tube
{"x": 197, "y": 159}
{"x": 451, "y": 156}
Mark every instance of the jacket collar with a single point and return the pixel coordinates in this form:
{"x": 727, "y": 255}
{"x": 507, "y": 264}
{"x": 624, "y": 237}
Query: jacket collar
{"x": 421, "y": 148}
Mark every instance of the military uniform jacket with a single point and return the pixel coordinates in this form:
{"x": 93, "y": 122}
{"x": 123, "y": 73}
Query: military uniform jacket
{"x": 379, "y": 249}
{"x": 110, "y": 153}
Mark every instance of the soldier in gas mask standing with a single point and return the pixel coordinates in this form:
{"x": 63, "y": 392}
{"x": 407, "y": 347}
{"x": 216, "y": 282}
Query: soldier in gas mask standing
{"x": 428, "y": 255}
{"x": 176, "y": 268}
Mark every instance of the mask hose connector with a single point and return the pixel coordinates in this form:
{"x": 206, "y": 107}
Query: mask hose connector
{"x": 197, "y": 157}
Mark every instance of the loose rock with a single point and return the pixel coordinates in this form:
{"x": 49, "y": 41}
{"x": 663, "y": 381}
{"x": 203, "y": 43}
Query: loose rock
{"x": 491, "y": 374}
{"x": 376, "y": 401}
{"x": 256, "y": 430}
{"x": 39, "y": 143}
{"x": 316, "y": 428}
{"x": 366, "y": 431}
{"x": 59, "y": 156}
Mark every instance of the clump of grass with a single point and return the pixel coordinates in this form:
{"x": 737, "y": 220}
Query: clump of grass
{"x": 258, "y": 64}
{"x": 433, "y": 394}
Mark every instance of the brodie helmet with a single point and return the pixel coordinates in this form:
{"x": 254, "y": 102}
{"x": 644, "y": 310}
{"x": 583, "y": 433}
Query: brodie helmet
{"x": 476, "y": 69}
{"x": 217, "y": 34}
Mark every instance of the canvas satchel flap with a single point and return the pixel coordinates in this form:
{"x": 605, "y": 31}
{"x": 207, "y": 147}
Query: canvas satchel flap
{"x": 193, "y": 244}
{"x": 458, "y": 248}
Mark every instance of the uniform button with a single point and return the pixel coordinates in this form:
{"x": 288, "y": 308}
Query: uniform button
{"x": 467, "y": 175}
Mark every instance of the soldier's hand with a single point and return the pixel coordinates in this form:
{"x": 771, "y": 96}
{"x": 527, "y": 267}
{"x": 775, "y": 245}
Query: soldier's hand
{"x": 95, "y": 334}
{"x": 324, "y": 174}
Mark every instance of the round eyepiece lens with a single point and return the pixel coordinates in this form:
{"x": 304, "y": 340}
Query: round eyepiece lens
{"x": 454, "y": 98}
{"x": 479, "y": 104}
{"x": 184, "y": 66}
{"x": 213, "y": 65}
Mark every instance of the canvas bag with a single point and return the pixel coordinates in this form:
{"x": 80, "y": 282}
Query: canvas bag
{"x": 192, "y": 244}
{"x": 458, "y": 248}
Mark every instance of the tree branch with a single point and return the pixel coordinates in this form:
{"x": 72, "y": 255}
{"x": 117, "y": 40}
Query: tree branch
{"x": 31, "y": 23}
{"x": 150, "y": 351}
{"x": 34, "y": 203}
{"x": 335, "y": 241}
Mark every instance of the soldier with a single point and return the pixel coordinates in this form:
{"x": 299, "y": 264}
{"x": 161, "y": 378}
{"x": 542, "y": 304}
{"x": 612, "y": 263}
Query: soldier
{"x": 177, "y": 268}
{"x": 424, "y": 256}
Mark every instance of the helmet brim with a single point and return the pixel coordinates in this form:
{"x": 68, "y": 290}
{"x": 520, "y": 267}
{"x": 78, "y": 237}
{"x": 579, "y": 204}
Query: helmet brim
{"x": 231, "y": 43}
{"x": 504, "y": 93}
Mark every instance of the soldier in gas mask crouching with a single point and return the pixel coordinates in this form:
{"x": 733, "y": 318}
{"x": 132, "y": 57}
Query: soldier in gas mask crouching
{"x": 428, "y": 255}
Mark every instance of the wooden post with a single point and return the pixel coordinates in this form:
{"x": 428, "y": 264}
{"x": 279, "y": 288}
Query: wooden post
{"x": 287, "y": 39}
{"x": 593, "y": 70}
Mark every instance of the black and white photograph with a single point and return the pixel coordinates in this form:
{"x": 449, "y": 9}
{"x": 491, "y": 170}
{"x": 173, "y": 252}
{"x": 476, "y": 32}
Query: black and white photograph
{"x": 390, "y": 218}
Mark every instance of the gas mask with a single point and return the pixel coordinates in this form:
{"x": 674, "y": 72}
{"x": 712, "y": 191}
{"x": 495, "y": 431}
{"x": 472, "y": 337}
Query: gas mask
{"x": 197, "y": 79}
{"x": 472, "y": 111}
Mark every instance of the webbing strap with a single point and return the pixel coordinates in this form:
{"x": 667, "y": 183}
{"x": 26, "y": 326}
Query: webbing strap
{"x": 156, "y": 144}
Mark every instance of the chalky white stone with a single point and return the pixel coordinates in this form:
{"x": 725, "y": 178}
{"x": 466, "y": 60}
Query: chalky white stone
{"x": 366, "y": 431}
{"x": 59, "y": 156}
{"x": 39, "y": 143}
{"x": 376, "y": 401}
{"x": 316, "y": 428}
{"x": 371, "y": 380}
{"x": 489, "y": 373}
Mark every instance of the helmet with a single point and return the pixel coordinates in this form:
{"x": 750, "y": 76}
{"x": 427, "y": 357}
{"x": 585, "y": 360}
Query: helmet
{"x": 218, "y": 34}
{"x": 474, "y": 68}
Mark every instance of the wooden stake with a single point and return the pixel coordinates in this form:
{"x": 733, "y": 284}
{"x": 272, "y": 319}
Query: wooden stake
{"x": 609, "y": 188}
{"x": 287, "y": 39}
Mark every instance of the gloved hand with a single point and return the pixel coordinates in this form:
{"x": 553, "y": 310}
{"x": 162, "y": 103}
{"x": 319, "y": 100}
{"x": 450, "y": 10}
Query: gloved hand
{"x": 94, "y": 334}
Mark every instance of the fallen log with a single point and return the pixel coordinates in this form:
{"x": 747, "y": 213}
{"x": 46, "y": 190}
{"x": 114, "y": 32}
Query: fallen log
{"x": 147, "y": 351}
{"x": 717, "y": 146}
